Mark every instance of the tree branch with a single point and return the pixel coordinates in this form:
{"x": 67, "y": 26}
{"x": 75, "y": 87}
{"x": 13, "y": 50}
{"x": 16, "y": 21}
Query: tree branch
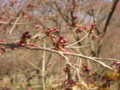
{"x": 110, "y": 15}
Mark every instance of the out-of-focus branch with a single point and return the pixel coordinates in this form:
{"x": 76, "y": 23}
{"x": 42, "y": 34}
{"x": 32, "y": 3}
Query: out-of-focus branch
{"x": 110, "y": 15}
{"x": 78, "y": 41}
{"x": 106, "y": 59}
{"x": 64, "y": 16}
{"x": 14, "y": 24}
{"x": 18, "y": 23}
{"x": 76, "y": 47}
{"x": 24, "y": 23}
{"x": 26, "y": 59}
{"x": 43, "y": 67}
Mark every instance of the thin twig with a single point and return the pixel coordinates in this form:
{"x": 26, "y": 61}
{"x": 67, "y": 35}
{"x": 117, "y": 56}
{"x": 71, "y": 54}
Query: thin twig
{"x": 14, "y": 24}
{"x": 106, "y": 59}
{"x": 78, "y": 41}
{"x": 27, "y": 60}
{"x": 43, "y": 67}
{"x": 79, "y": 46}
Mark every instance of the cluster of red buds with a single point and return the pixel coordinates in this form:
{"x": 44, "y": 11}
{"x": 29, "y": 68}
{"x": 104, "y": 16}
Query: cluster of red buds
{"x": 49, "y": 32}
{"x": 24, "y": 38}
{"x": 103, "y": 78}
{"x": 60, "y": 44}
{"x": 38, "y": 26}
{"x": 68, "y": 84}
{"x": 90, "y": 79}
{"x": 85, "y": 68}
{"x": 117, "y": 66}
{"x": 107, "y": 80}
{"x": 94, "y": 36}
{"x": 80, "y": 28}
{"x": 93, "y": 26}
{"x": 116, "y": 63}
{"x": 74, "y": 17}
{"x": 74, "y": 20}
{"x": 66, "y": 70}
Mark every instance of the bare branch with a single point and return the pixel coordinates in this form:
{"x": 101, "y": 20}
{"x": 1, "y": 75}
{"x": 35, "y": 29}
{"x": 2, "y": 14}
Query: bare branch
{"x": 27, "y": 60}
{"x": 54, "y": 51}
{"x": 78, "y": 41}
{"x": 110, "y": 15}
{"x": 14, "y": 24}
